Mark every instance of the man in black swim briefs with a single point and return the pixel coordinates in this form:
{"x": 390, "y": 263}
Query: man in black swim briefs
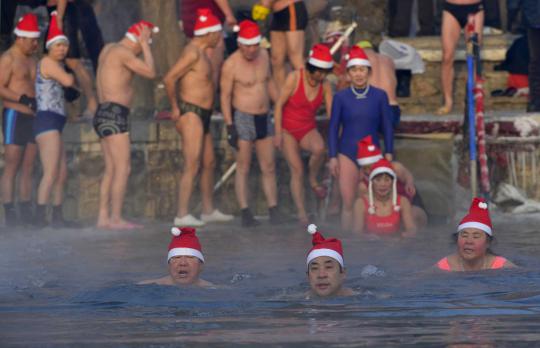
{"x": 17, "y": 77}
{"x": 118, "y": 63}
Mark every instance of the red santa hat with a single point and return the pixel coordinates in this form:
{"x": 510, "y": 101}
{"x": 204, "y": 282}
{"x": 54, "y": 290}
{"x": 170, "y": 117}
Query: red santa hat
{"x": 134, "y": 31}
{"x": 357, "y": 57}
{"x": 55, "y": 34}
{"x": 330, "y": 247}
{"x": 248, "y": 33}
{"x": 478, "y": 217}
{"x": 382, "y": 166}
{"x": 27, "y": 26}
{"x": 206, "y": 22}
{"x": 321, "y": 57}
{"x": 368, "y": 153}
{"x": 184, "y": 243}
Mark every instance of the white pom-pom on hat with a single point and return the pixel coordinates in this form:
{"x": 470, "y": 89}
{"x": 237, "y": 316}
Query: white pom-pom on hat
{"x": 236, "y": 28}
{"x": 176, "y": 231}
{"x": 312, "y": 228}
{"x": 482, "y": 205}
{"x": 155, "y": 30}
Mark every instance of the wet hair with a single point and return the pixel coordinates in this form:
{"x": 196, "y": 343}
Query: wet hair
{"x": 491, "y": 240}
{"x": 312, "y": 69}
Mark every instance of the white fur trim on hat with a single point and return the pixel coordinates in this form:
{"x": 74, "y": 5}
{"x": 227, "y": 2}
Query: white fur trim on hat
{"x": 55, "y": 40}
{"x": 358, "y": 61}
{"x": 253, "y": 41}
{"x": 365, "y": 161}
{"x": 474, "y": 224}
{"x": 185, "y": 252}
{"x": 206, "y": 30}
{"x": 325, "y": 252}
{"x": 131, "y": 37}
{"x": 28, "y": 34}
{"x": 382, "y": 170}
{"x": 320, "y": 63}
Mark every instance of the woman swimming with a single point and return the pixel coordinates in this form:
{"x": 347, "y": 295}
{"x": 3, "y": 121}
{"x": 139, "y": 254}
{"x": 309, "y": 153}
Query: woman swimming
{"x": 384, "y": 211}
{"x": 473, "y": 238}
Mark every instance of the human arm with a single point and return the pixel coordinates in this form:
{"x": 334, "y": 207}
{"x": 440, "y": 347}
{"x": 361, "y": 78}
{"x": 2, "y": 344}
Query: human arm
{"x": 227, "y": 11}
{"x": 405, "y": 176}
{"x": 407, "y": 218}
{"x": 386, "y": 126}
{"x": 284, "y": 95}
{"x": 54, "y": 70}
{"x": 60, "y": 12}
{"x": 176, "y": 72}
{"x": 226, "y": 90}
{"x": 144, "y": 67}
{"x": 333, "y": 133}
{"x": 327, "y": 93}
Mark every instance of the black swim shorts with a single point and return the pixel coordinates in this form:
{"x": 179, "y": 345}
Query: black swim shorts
{"x": 111, "y": 118}
{"x": 204, "y": 114}
{"x": 17, "y": 127}
{"x": 292, "y": 18}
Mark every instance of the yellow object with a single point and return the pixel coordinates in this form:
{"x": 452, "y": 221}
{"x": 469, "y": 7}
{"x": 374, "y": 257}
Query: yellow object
{"x": 259, "y": 12}
{"x": 364, "y": 44}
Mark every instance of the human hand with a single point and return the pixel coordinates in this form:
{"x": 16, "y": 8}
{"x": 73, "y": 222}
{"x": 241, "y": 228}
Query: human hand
{"x": 333, "y": 165}
{"x": 232, "y": 136}
{"x": 71, "y": 94}
{"x": 28, "y": 101}
{"x": 144, "y": 37}
{"x": 175, "y": 114}
{"x": 259, "y": 12}
{"x": 410, "y": 189}
{"x": 230, "y": 21}
{"x": 278, "y": 140}
{"x": 389, "y": 157}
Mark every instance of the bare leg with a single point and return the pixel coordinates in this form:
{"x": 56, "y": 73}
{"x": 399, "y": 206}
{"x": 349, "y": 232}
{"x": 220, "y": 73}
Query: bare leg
{"x": 27, "y": 171}
{"x": 61, "y": 178}
{"x": 49, "y": 144}
{"x": 243, "y": 164}
{"x": 449, "y": 37}
{"x": 105, "y": 186}
{"x": 314, "y": 143}
{"x": 85, "y": 82}
{"x": 12, "y": 158}
{"x": 207, "y": 175}
{"x": 121, "y": 160}
{"x": 191, "y": 130}
{"x": 278, "y": 55}
{"x": 265, "y": 155}
{"x": 291, "y": 151}
{"x": 295, "y": 48}
{"x": 348, "y": 183}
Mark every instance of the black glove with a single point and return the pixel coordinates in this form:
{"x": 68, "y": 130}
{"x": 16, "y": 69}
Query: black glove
{"x": 28, "y": 101}
{"x": 71, "y": 94}
{"x": 232, "y": 136}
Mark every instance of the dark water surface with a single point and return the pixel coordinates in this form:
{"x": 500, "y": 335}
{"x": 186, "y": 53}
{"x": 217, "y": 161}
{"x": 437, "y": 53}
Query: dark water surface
{"x": 76, "y": 288}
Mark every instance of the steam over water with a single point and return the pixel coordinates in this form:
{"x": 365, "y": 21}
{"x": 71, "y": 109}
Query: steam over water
{"x": 76, "y": 287}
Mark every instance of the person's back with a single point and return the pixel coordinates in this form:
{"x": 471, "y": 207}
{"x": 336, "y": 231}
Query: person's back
{"x": 383, "y": 74}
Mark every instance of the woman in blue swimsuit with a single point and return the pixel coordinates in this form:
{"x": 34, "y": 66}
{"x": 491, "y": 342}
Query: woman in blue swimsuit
{"x": 357, "y": 111}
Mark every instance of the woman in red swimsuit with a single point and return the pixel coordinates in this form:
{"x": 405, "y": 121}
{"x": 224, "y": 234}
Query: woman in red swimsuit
{"x": 383, "y": 212}
{"x": 295, "y": 124}
{"x": 473, "y": 238}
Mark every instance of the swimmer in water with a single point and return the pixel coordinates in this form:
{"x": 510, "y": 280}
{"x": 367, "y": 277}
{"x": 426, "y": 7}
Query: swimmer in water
{"x": 326, "y": 270}
{"x": 185, "y": 261}
{"x": 473, "y": 238}
{"x": 383, "y": 211}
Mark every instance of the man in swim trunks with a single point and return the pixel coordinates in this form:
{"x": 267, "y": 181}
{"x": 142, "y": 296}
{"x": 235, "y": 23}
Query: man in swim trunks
{"x": 118, "y": 63}
{"x": 247, "y": 86}
{"x": 383, "y": 76}
{"x": 454, "y": 18}
{"x": 18, "y": 73}
{"x": 296, "y": 125}
{"x": 325, "y": 267}
{"x": 191, "y": 112}
{"x": 287, "y": 33}
{"x": 185, "y": 260}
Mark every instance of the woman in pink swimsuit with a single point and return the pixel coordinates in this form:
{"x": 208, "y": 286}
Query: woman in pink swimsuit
{"x": 473, "y": 238}
{"x": 304, "y": 92}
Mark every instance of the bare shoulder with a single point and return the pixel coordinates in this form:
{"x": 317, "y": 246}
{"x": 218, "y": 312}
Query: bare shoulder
{"x": 231, "y": 61}
{"x": 6, "y": 58}
{"x": 386, "y": 60}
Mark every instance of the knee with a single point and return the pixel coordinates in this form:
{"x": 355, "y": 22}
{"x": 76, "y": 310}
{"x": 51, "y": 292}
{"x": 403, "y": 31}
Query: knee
{"x": 268, "y": 169}
{"x": 297, "y": 170}
{"x": 448, "y": 59}
{"x": 191, "y": 166}
{"x": 277, "y": 60}
{"x": 209, "y": 164}
{"x": 242, "y": 168}
{"x": 319, "y": 151}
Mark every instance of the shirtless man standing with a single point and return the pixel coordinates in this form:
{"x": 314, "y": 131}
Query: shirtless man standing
{"x": 383, "y": 76}
{"x": 287, "y": 33}
{"x": 118, "y": 62}
{"x": 247, "y": 86}
{"x": 18, "y": 73}
{"x": 191, "y": 111}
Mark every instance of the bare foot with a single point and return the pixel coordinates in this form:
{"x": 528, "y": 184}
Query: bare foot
{"x": 444, "y": 110}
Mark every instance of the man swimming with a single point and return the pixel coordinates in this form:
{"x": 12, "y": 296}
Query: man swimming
{"x": 325, "y": 267}
{"x": 185, "y": 260}
{"x": 191, "y": 112}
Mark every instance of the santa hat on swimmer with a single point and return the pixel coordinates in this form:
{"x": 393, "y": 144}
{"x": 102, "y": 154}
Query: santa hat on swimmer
{"x": 134, "y": 31}
{"x": 27, "y": 26}
{"x": 478, "y": 217}
{"x": 248, "y": 33}
{"x": 357, "y": 57}
{"x": 368, "y": 153}
{"x": 184, "y": 243}
{"x": 206, "y": 22}
{"x": 320, "y": 57}
{"x": 330, "y": 247}
{"x": 55, "y": 34}
{"x": 382, "y": 166}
